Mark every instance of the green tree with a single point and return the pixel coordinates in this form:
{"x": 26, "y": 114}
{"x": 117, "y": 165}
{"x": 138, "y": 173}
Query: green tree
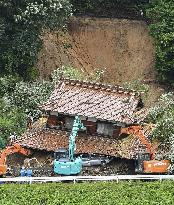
{"x": 19, "y": 100}
{"x": 117, "y": 8}
{"x": 27, "y": 96}
{"x": 22, "y": 23}
{"x": 161, "y": 17}
{"x": 12, "y": 119}
{"x": 162, "y": 115}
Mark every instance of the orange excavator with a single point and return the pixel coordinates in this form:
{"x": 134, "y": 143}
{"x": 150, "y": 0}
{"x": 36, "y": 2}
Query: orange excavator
{"x": 146, "y": 162}
{"x": 15, "y": 148}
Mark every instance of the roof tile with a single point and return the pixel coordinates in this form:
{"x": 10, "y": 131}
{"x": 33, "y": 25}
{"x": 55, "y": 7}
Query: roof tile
{"x": 104, "y": 102}
{"x": 50, "y": 140}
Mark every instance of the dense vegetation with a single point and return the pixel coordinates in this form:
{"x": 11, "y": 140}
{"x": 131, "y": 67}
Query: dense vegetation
{"x": 109, "y": 8}
{"x": 161, "y": 18}
{"x": 12, "y": 120}
{"x": 22, "y": 24}
{"x": 19, "y": 100}
{"x": 149, "y": 193}
{"x": 162, "y": 116}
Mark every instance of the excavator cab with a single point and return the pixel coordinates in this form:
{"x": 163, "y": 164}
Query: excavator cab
{"x": 63, "y": 165}
{"x": 139, "y": 163}
{"x": 144, "y": 164}
{"x": 60, "y": 154}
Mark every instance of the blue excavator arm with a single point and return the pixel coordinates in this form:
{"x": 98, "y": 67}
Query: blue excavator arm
{"x": 70, "y": 165}
{"x": 78, "y": 125}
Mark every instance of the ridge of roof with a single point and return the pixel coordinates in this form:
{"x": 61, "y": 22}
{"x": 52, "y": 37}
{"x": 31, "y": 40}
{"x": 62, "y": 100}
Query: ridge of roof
{"x": 98, "y": 86}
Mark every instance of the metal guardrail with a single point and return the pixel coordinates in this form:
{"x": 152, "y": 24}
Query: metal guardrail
{"x": 75, "y": 179}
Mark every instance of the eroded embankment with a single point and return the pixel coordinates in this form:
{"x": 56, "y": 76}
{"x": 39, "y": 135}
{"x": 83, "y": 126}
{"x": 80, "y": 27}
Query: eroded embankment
{"x": 123, "y": 47}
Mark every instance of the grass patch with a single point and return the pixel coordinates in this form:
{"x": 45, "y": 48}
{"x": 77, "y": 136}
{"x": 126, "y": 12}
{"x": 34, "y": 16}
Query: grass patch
{"x": 123, "y": 193}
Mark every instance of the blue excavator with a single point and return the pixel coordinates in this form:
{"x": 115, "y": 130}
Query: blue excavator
{"x": 64, "y": 161}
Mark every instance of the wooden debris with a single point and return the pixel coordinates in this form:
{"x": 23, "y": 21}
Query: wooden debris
{"x": 50, "y": 140}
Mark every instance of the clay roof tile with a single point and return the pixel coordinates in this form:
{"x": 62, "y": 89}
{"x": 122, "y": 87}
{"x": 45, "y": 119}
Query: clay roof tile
{"x": 89, "y": 99}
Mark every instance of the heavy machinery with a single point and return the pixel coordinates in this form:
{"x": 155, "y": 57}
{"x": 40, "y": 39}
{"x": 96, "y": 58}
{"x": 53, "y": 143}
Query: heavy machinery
{"x": 15, "y": 148}
{"x": 64, "y": 161}
{"x": 146, "y": 162}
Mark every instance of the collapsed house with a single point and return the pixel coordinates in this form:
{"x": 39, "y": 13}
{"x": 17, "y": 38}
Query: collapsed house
{"x": 103, "y": 109}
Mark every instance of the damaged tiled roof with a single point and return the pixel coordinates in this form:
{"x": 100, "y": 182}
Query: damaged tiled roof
{"x": 103, "y": 102}
{"x": 50, "y": 140}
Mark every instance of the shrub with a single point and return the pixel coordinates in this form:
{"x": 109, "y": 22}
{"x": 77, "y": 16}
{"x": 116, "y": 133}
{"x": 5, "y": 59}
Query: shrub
{"x": 67, "y": 72}
{"x": 138, "y": 87}
{"x": 100, "y": 193}
{"x": 162, "y": 114}
{"x": 97, "y": 75}
{"x": 76, "y": 74}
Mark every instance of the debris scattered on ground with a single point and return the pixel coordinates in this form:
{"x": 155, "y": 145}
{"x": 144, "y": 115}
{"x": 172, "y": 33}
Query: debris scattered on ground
{"x": 50, "y": 140}
{"x": 41, "y": 164}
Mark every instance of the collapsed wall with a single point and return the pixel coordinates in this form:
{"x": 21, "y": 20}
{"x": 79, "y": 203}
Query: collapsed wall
{"x": 123, "y": 47}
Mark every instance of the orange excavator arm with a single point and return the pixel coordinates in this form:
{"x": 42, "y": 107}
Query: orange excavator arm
{"x": 152, "y": 166}
{"x": 136, "y": 130}
{"x": 16, "y": 148}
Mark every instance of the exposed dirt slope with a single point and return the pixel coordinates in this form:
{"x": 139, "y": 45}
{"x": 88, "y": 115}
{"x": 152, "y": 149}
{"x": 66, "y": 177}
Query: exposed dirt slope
{"x": 123, "y": 47}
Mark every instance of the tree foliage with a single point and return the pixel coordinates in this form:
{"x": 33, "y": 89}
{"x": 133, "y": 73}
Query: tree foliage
{"x": 7, "y": 84}
{"x": 18, "y": 100}
{"x": 28, "y": 96}
{"x": 22, "y": 23}
{"x": 12, "y": 119}
{"x": 108, "y": 8}
{"x": 162, "y": 114}
{"x": 161, "y": 17}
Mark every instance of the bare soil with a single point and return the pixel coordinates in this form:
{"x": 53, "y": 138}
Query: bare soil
{"x": 123, "y": 47}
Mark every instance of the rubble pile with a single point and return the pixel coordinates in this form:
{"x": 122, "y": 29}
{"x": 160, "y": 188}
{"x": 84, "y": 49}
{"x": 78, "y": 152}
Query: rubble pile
{"x": 116, "y": 166}
{"x": 41, "y": 164}
{"x": 15, "y": 160}
{"x": 50, "y": 140}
